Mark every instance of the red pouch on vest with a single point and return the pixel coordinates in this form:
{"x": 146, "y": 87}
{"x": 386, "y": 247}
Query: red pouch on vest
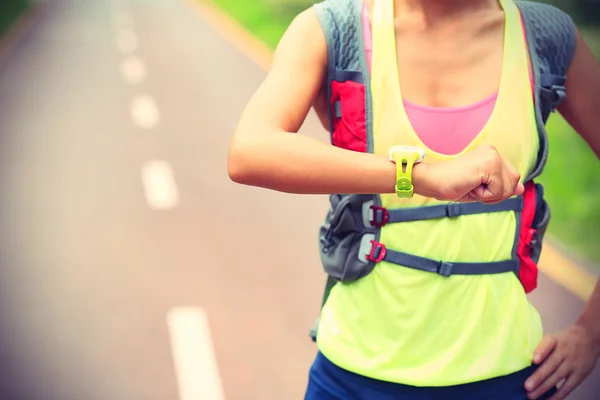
{"x": 350, "y": 128}
{"x": 534, "y": 221}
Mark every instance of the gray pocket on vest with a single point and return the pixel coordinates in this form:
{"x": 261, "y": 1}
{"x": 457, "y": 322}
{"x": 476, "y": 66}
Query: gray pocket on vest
{"x": 342, "y": 238}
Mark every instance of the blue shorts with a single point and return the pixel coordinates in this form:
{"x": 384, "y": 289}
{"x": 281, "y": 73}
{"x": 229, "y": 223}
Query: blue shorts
{"x": 330, "y": 382}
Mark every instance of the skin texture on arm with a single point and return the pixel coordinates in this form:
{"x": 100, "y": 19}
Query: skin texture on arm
{"x": 572, "y": 354}
{"x": 320, "y": 107}
{"x": 581, "y": 109}
{"x": 267, "y": 152}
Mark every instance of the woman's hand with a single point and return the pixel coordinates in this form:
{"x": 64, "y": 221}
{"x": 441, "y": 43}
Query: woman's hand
{"x": 569, "y": 355}
{"x": 479, "y": 175}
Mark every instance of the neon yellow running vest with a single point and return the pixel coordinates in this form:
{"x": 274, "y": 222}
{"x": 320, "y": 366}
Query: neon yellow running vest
{"x": 416, "y": 328}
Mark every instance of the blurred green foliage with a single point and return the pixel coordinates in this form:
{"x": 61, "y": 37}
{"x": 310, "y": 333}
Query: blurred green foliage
{"x": 585, "y": 12}
{"x": 571, "y": 178}
{"x": 9, "y": 12}
{"x": 267, "y": 19}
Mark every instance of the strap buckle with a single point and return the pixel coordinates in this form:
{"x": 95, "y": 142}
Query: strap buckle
{"x": 453, "y": 210}
{"x": 378, "y": 216}
{"x": 377, "y": 253}
{"x": 554, "y": 95}
{"x": 445, "y": 269}
{"x": 530, "y": 239}
{"x": 561, "y": 94}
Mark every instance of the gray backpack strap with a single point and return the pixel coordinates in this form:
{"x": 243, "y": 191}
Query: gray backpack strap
{"x": 341, "y": 21}
{"x": 551, "y": 38}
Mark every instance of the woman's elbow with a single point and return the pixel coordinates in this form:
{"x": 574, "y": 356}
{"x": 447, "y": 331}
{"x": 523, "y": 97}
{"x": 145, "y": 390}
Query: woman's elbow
{"x": 250, "y": 158}
{"x": 237, "y": 168}
{"x": 241, "y": 166}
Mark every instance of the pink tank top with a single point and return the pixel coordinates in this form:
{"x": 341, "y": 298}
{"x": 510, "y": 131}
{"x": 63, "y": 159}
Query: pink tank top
{"x": 443, "y": 130}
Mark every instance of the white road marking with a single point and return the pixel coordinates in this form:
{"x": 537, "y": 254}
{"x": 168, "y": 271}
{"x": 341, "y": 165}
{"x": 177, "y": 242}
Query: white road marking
{"x": 159, "y": 185}
{"x": 127, "y": 41}
{"x": 193, "y": 354}
{"x": 133, "y": 69}
{"x": 144, "y": 111}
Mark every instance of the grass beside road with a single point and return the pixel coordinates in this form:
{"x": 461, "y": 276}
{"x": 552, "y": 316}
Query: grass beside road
{"x": 571, "y": 177}
{"x": 572, "y": 183}
{"x": 10, "y": 10}
{"x": 266, "y": 19}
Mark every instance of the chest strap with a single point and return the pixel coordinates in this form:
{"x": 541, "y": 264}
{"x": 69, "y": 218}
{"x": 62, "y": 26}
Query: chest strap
{"x": 380, "y": 253}
{"x": 379, "y": 216}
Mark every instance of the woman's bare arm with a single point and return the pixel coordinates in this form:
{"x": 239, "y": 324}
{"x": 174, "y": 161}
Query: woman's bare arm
{"x": 573, "y": 353}
{"x": 581, "y": 109}
{"x": 266, "y": 150}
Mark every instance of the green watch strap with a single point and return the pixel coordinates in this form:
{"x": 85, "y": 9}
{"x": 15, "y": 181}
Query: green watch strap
{"x": 404, "y": 186}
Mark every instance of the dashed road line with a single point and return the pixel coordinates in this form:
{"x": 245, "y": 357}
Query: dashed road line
{"x": 159, "y": 185}
{"x": 133, "y": 70}
{"x": 193, "y": 355}
{"x": 144, "y": 111}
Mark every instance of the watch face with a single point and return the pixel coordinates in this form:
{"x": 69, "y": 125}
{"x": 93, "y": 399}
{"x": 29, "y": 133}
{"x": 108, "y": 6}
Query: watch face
{"x": 407, "y": 149}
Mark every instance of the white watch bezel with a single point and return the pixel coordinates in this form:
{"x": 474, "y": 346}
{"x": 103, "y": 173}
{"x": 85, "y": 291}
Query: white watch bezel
{"x": 407, "y": 149}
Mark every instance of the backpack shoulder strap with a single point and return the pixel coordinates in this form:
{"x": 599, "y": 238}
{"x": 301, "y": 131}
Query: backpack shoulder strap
{"x": 342, "y": 25}
{"x": 341, "y": 22}
{"x": 551, "y": 38}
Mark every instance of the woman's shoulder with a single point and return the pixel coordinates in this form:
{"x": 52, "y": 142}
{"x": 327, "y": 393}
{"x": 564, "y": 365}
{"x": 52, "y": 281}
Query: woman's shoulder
{"x": 303, "y": 45}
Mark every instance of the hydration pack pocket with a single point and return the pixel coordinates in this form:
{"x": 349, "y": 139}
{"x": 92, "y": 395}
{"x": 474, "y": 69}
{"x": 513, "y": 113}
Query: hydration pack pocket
{"x": 344, "y": 238}
{"x": 347, "y": 104}
{"x": 534, "y": 222}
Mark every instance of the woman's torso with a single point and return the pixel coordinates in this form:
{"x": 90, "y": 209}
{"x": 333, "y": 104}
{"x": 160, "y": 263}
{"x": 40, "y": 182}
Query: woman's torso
{"x": 418, "y": 328}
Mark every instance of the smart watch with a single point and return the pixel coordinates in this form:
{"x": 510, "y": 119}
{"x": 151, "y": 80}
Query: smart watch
{"x": 405, "y": 157}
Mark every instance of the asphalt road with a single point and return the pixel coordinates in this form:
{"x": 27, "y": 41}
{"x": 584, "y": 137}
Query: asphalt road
{"x": 119, "y": 228}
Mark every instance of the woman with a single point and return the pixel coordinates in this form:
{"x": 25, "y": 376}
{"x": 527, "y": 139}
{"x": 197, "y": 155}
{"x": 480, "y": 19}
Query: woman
{"x": 451, "y": 77}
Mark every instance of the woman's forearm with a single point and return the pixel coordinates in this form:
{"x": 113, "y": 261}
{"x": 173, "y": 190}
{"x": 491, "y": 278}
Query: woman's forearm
{"x": 295, "y": 163}
{"x": 590, "y": 319}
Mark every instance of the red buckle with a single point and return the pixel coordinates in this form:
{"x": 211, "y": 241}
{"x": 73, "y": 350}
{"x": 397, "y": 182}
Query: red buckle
{"x": 380, "y": 216}
{"x": 377, "y": 253}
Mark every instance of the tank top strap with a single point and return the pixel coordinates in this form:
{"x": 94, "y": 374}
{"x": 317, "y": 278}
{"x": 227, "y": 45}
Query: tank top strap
{"x": 384, "y": 62}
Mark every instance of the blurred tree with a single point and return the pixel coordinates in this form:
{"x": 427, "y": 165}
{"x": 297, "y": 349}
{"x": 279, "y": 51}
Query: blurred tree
{"x": 583, "y": 11}
{"x": 589, "y": 10}
{"x": 288, "y": 7}
{"x": 10, "y": 11}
